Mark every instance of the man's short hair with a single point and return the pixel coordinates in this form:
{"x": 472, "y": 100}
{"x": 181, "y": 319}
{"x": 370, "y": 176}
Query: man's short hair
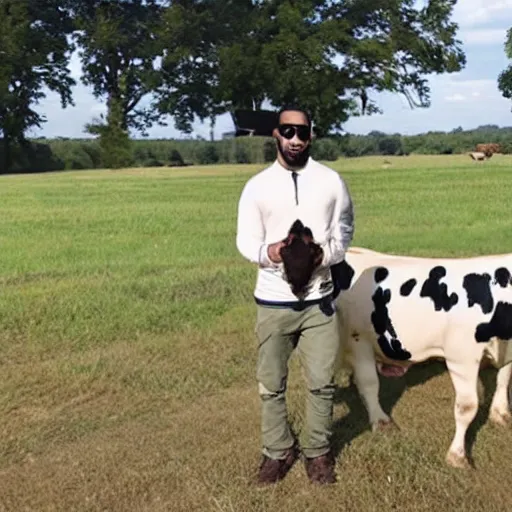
{"x": 293, "y": 108}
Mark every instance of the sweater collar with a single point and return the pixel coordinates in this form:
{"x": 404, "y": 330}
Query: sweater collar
{"x": 302, "y": 171}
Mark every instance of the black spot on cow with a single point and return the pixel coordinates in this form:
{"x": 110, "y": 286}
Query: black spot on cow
{"x": 407, "y": 287}
{"x": 388, "y": 340}
{"x": 478, "y": 289}
{"x": 437, "y": 291}
{"x": 341, "y": 274}
{"x": 380, "y": 274}
{"x": 499, "y": 326}
{"x": 502, "y": 277}
{"x": 380, "y": 315}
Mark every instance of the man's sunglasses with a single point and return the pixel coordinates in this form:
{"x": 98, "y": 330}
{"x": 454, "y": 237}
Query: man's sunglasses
{"x": 288, "y": 131}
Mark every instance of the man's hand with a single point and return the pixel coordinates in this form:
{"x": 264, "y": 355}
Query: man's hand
{"x": 274, "y": 251}
{"x": 319, "y": 256}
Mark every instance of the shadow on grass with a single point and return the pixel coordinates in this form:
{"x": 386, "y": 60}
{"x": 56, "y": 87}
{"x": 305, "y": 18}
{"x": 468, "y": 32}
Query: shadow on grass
{"x": 356, "y": 422}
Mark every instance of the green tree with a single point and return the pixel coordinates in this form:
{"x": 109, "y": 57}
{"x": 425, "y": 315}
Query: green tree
{"x": 193, "y": 33}
{"x": 505, "y": 78}
{"x": 119, "y": 52}
{"x": 34, "y": 54}
{"x": 390, "y": 145}
{"x": 114, "y": 139}
{"x": 330, "y": 57}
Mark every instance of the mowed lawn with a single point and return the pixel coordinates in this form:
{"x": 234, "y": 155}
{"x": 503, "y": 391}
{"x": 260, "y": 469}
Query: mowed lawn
{"x": 127, "y": 351}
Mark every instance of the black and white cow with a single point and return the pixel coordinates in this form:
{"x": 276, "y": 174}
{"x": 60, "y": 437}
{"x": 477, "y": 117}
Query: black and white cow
{"x": 396, "y": 311}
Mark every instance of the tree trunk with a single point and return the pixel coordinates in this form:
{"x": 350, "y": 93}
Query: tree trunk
{"x": 7, "y": 160}
{"x": 212, "y": 127}
{"x": 116, "y": 113}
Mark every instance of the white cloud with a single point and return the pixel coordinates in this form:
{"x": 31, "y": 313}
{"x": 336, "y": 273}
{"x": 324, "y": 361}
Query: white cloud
{"x": 68, "y": 122}
{"x": 454, "y": 102}
{"x": 456, "y": 97}
{"x": 466, "y": 90}
{"x": 470, "y": 13}
{"x": 487, "y": 36}
{"x": 75, "y": 66}
{"x": 476, "y": 84}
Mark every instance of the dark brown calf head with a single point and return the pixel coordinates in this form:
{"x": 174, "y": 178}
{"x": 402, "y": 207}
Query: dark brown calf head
{"x": 301, "y": 255}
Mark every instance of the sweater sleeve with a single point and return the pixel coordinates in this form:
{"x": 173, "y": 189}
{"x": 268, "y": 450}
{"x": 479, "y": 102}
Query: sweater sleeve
{"x": 250, "y": 237}
{"x": 342, "y": 227}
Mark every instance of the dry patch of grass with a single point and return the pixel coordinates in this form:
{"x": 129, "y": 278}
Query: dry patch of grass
{"x": 202, "y": 455}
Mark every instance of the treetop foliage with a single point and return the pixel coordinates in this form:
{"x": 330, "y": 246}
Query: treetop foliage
{"x": 505, "y": 78}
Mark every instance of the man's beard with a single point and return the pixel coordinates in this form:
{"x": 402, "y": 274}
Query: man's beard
{"x": 298, "y": 160}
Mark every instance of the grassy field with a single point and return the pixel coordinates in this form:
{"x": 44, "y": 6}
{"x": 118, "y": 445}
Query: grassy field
{"x": 127, "y": 352}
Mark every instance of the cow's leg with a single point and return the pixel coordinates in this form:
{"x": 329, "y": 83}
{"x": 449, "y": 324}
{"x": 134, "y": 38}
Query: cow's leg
{"x": 500, "y": 408}
{"x": 464, "y": 377}
{"x": 367, "y": 382}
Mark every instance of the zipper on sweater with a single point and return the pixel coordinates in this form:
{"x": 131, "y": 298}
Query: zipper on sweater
{"x": 294, "y": 177}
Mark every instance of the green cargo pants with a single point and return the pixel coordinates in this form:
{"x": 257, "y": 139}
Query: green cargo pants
{"x": 314, "y": 333}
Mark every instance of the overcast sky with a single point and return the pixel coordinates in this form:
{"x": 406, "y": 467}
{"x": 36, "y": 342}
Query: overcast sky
{"x": 468, "y": 99}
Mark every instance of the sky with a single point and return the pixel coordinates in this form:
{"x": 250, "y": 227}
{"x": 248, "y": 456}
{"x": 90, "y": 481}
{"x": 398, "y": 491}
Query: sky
{"x": 466, "y": 99}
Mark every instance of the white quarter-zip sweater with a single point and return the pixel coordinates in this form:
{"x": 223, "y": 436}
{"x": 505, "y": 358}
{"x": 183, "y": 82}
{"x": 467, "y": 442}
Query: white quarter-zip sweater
{"x": 270, "y": 203}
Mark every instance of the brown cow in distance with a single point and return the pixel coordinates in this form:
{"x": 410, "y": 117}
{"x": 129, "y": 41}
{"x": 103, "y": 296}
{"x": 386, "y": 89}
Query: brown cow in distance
{"x": 488, "y": 149}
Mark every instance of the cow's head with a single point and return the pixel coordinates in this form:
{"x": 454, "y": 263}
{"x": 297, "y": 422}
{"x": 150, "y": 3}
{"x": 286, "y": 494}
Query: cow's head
{"x": 300, "y": 255}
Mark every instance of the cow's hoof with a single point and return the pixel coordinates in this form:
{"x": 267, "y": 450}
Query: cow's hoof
{"x": 384, "y": 425}
{"x": 501, "y": 419}
{"x": 457, "y": 461}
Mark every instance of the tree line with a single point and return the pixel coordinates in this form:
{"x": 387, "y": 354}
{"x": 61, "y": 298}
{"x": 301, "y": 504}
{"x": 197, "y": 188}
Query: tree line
{"x": 70, "y": 154}
{"x": 154, "y": 60}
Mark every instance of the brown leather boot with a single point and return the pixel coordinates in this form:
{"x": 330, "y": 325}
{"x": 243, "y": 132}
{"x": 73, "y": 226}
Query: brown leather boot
{"x": 320, "y": 470}
{"x": 272, "y": 471}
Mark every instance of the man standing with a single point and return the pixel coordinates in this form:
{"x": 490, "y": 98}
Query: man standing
{"x": 295, "y": 187}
